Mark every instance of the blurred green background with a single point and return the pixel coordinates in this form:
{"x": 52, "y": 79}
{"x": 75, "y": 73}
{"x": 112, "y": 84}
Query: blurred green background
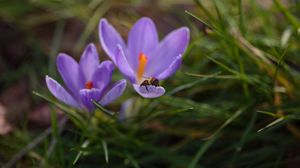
{"x": 234, "y": 102}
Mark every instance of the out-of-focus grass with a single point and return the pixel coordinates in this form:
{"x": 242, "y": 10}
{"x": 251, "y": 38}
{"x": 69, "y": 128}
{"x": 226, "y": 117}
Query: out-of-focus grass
{"x": 234, "y": 103}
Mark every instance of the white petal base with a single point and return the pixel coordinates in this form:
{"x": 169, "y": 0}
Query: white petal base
{"x": 149, "y": 91}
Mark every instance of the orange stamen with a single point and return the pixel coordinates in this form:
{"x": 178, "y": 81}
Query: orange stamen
{"x": 89, "y": 85}
{"x": 141, "y": 67}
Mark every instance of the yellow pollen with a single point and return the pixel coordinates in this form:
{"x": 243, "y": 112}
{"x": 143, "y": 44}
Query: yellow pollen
{"x": 142, "y": 65}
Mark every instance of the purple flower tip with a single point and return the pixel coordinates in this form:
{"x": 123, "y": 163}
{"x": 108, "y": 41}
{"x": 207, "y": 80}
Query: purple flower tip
{"x": 85, "y": 81}
{"x": 144, "y": 57}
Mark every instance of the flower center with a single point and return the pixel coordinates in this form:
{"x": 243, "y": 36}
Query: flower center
{"x": 141, "y": 67}
{"x": 89, "y": 85}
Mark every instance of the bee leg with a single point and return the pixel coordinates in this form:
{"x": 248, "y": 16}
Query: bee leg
{"x": 146, "y": 88}
{"x": 145, "y": 83}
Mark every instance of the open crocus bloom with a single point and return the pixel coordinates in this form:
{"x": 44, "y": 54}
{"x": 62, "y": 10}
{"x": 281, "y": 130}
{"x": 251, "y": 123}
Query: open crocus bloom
{"x": 144, "y": 57}
{"x": 85, "y": 81}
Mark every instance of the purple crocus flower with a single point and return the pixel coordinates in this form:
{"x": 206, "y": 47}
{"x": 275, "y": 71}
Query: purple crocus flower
{"x": 144, "y": 57}
{"x": 85, "y": 81}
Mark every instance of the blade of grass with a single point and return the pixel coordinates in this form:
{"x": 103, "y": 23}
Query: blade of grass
{"x": 197, "y": 18}
{"x": 108, "y": 112}
{"x": 279, "y": 63}
{"x": 240, "y": 75}
{"x": 74, "y": 115}
{"x": 268, "y": 113}
{"x": 244, "y": 137}
{"x": 227, "y": 122}
{"x": 272, "y": 124}
{"x": 105, "y": 150}
{"x": 202, "y": 109}
{"x": 292, "y": 19}
{"x": 92, "y": 24}
{"x": 189, "y": 85}
{"x": 242, "y": 18}
{"x": 32, "y": 145}
{"x": 84, "y": 145}
{"x": 213, "y": 76}
{"x": 132, "y": 160}
{"x": 202, "y": 150}
{"x": 242, "y": 71}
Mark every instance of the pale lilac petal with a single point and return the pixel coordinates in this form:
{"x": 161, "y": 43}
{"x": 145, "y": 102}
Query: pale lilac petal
{"x": 173, "y": 45}
{"x": 115, "y": 92}
{"x": 109, "y": 39}
{"x": 123, "y": 65}
{"x": 171, "y": 69}
{"x": 125, "y": 108}
{"x": 149, "y": 92}
{"x": 60, "y": 93}
{"x": 88, "y": 95}
{"x": 102, "y": 75}
{"x": 69, "y": 71}
{"x": 89, "y": 62}
{"x": 142, "y": 38}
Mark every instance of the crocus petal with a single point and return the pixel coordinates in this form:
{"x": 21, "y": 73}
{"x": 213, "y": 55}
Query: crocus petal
{"x": 109, "y": 38}
{"x": 115, "y": 92}
{"x": 88, "y": 95}
{"x": 102, "y": 75}
{"x": 60, "y": 93}
{"x": 89, "y": 62}
{"x": 149, "y": 92}
{"x": 69, "y": 71}
{"x": 123, "y": 65}
{"x": 142, "y": 38}
{"x": 173, "y": 45}
{"x": 125, "y": 108}
{"x": 171, "y": 69}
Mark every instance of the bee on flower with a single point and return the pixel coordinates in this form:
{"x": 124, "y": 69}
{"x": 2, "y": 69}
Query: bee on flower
{"x": 144, "y": 60}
